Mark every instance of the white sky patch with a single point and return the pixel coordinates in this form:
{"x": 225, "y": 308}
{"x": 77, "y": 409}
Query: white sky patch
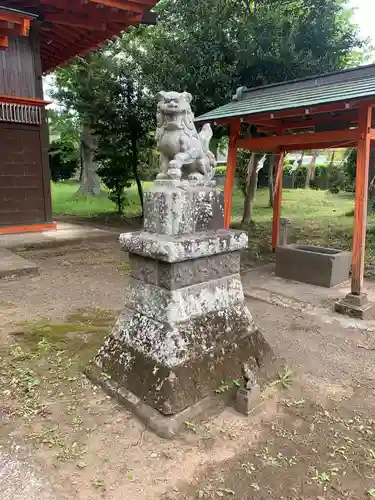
{"x": 364, "y": 16}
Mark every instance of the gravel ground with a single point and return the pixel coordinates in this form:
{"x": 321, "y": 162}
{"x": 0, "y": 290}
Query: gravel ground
{"x": 333, "y": 366}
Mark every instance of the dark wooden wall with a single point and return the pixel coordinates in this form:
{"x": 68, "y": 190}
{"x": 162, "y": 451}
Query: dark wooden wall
{"x": 18, "y": 71}
{"x": 22, "y": 177}
{"x": 24, "y": 167}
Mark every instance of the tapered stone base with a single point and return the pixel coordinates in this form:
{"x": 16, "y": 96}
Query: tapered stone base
{"x": 173, "y": 367}
{"x": 165, "y": 426}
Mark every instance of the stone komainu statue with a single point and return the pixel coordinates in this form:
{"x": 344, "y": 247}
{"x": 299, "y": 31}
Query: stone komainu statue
{"x": 182, "y": 149}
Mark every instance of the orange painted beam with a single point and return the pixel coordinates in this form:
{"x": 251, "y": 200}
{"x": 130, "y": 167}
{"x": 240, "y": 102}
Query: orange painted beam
{"x": 361, "y": 195}
{"x": 372, "y": 133}
{"x": 278, "y": 189}
{"x": 13, "y": 17}
{"x": 272, "y": 143}
{"x": 32, "y": 228}
{"x": 26, "y": 27}
{"x": 23, "y": 100}
{"x": 269, "y": 117}
{"x": 316, "y": 120}
{"x": 118, "y": 4}
{"x": 312, "y": 110}
{"x": 3, "y": 42}
{"x": 231, "y": 172}
{"x": 322, "y": 145}
{"x": 15, "y": 24}
{"x": 302, "y": 125}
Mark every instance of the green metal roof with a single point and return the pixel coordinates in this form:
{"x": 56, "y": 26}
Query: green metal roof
{"x": 323, "y": 89}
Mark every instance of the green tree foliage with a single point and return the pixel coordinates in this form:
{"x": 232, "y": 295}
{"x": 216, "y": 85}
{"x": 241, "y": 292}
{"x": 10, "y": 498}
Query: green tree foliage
{"x": 124, "y": 120}
{"x": 107, "y": 91}
{"x": 63, "y": 161}
{"x": 211, "y": 47}
{"x": 350, "y": 167}
{"x": 64, "y": 153}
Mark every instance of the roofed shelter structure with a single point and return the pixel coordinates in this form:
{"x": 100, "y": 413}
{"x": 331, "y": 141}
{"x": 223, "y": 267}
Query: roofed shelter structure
{"x": 327, "y": 111}
{"x": 36, "y": 36}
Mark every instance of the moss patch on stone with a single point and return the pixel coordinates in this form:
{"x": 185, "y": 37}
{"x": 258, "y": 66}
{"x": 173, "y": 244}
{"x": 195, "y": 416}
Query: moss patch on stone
{"x": 124, "y": 267}
{"x": 80, "y": 336}
{"x": 41, "y": 373}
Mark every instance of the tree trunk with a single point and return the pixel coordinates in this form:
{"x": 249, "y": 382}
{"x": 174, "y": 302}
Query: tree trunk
{"x": 214, "y": 146}
{"x": 294, "y": 173}
{"x": 310, "y": 173}
{"x": 332, "y": 159}
{"x": 251, "y": 187}
{"x": 372, "y": 176}
{"x": 271, "y": 166}
{"x": 136, "y": 175}
{"x": 90, "y": 181}
{"x": 80, "y": 162}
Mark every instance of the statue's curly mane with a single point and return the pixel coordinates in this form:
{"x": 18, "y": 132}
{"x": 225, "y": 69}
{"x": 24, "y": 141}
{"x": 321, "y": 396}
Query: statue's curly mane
{"x": 188, "y": 122}
{"x": 184, "y": 111}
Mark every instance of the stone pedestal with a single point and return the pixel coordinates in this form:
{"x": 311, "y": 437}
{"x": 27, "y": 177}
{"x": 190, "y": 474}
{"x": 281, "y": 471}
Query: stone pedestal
{"x": 285, "y": 225}
{"x": 248, "y": 399}
{"x": 356, "y": 306}
{"x": 185, "y": 328}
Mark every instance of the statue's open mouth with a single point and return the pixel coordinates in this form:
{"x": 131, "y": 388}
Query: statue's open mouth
{"x": 172, "y": 121}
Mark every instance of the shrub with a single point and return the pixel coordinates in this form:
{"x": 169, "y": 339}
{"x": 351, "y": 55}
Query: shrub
{"x": 221, "y": 170}
{"x": 63, "y": 161}
{"x": 336, "y": 178}
{"x": 349, "y": 166}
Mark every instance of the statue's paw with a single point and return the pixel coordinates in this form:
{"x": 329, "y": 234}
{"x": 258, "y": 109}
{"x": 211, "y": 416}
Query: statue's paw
{"x": 195, "y": 176}
{"x": 174, "y": 170}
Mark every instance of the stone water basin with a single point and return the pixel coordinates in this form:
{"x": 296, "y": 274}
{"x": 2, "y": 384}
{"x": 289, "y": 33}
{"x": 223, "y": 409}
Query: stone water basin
{"x": 313, "y": 265}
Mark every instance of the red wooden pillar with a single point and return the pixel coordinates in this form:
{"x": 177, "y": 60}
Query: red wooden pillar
{"x": 234, "y": 132}
{"x": 278, "y": 189}
{"x": 361, "y": 195}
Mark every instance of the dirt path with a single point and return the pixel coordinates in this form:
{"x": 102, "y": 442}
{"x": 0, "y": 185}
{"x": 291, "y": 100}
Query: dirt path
{"x": 314, "y": 438}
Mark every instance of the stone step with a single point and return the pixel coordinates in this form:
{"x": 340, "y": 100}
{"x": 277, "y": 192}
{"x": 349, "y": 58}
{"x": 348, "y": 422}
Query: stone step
{"x": 12, "y": 264}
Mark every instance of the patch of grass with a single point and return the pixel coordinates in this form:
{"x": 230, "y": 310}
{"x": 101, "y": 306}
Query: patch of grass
{"x": 318, "y": 218}
{"x": 66, "y": 200}
{"x": 285, "y": 378}
{"x": 92, "y": 316}
{"x": 297, "y": 204}
{"x": 42, "y": 373}
{"x": 80, "y": 336}
{"x": 124, "y": 266}
{"x": 5, "y": 304}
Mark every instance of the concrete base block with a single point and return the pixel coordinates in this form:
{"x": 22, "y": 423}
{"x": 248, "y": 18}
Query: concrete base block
{"x": 248, "y": 399}
{"x": 165, "y": 426}
{"x": 356, "y": 306}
